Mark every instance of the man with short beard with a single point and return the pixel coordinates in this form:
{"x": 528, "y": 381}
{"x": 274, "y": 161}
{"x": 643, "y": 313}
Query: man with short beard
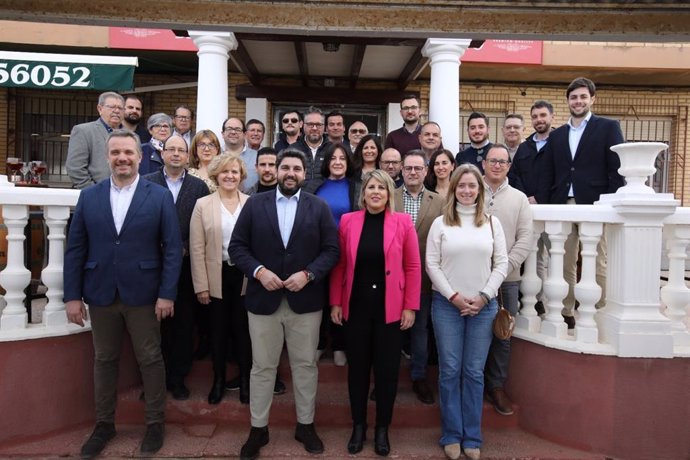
{"x": 133, "y": 116}
{"x": 266, "y": 169}
{"x": 478, "y": 131}
{"x": 313, "y": 144}
{"x": 287, "y": 279}
{"x": 524, "y": 172}
{"x": 406, "y": 138}
{"x": 291, "y": 123}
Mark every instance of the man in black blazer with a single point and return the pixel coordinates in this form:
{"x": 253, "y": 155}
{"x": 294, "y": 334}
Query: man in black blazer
{"x": 286, "y": 243}
{"x": 578, "y": 166}
{"x": 177, "y": 331}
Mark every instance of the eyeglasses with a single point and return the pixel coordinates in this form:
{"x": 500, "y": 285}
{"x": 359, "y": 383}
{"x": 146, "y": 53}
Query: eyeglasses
{"x": 409, "y": 108}
{"x": 232, "y": 130}
{"x": 161, "y": 126}
{"x": 173, "y": 150}
{"x": 390, "y": 163}
{"x": 183, "y": 117}
{"x": 494, "y": 162}
{"x": 113, "y": 107}
{"x": 413, "y": 168}
{"x": 290, "y": 120}
{"x": 314, "y": 125}
{"x": 358, "y": 131}
{"x": 203, "y": 146}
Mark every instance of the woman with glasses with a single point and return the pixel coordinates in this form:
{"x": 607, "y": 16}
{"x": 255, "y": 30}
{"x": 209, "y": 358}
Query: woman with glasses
{"x": 367, "y": 154}
{"x": 218, "y": 284}
{"x": 441, "y": 166}
{"x": 467, "y": 261}
{"x": 160, "y": 127}
{"x": 339, "y": 187}
{"x": 205, "y": 147}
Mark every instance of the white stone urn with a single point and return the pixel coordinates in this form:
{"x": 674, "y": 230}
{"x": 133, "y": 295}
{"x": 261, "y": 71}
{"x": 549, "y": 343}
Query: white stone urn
{"x": 637, "y": 164}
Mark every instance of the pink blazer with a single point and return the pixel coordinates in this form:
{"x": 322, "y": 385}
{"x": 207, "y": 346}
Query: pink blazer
{"x": 403, "y": 266}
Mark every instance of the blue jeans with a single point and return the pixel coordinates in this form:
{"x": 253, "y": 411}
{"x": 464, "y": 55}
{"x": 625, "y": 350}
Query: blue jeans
{"x": 499, "y": 354}
{"x": 463, "y": 345}
{"x": 419, "y": 339}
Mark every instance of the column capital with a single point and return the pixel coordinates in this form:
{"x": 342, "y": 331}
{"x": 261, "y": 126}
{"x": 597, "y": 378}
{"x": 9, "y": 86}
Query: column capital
{"x": 445, "y": 48}
{"x": 203, "y": 38}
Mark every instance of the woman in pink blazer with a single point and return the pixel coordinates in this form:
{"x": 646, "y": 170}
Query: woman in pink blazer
{"x": 375, "y": 290}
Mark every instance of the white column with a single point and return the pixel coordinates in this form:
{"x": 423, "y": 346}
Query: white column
{"x": 555, "y": 287}
{"x": 394, "y": 120}
{"x": 587, "y": 291}
{"x": 52, "y": 276}
{"x": 530, "y": 286}
{"x": 676, "y": 294}
{"x": 15, "y": 277}
{"x": 444, "y": 93}
{"x": 212, "y": 92}
{"x": 257, "y": 108}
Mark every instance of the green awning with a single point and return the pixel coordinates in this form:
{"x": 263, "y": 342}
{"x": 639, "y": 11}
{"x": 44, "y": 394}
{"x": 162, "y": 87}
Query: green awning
{"x": 66, "y": 71}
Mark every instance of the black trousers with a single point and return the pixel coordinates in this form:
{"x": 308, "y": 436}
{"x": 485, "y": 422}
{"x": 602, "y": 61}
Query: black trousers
{"x": 177, "y": 332}
{"x": 329, "y": 332}
{"x": 371, "y": 342}
{"x": 228, "y": 320}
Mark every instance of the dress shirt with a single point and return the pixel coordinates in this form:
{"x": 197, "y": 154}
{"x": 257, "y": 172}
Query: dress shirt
{"x": 120, "y": 199}
{"x": 287, "y": 208}
{"x": 574, "y": 136}
{"x": 540, "y": 143}
{"x": 412, "y": 204}
{"x": 186, "y": 136}
{"x": 174, "y": 184}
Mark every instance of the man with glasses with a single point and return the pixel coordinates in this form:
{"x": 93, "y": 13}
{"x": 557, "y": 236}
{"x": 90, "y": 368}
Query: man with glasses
{"x": 423, "y": 206}
{"x": 133, "y": 115}
{"x": 513, "y": 124}
{"x": 182, "y": 121}
{"x": 406, "y": 138}
{"x": 86, "y": 159}
{"x": 355, "y": 134}
{"x": 513, "y": 211}
{"x": 391, "y": 163}
{"x": 313, "y": 144}
{"x": 177, "y": 331}
{"x": 478, "y": 132}
{"x": 291, "y": 124}
{"x": 234, "y": 136}
{"x": 255, "y": 133}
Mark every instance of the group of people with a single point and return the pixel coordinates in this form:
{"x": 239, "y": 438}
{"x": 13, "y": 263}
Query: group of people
{"x": 320, "y": 241}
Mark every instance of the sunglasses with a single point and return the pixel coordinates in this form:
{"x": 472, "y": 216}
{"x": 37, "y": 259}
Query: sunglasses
{"x": 358, "y": 131}
{"x": 290, "y": 120}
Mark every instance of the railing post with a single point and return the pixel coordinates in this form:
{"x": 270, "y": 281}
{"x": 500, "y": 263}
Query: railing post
{"x": 587, "y": 291}
{"x": 56, "y": 219}
{"x": 676, "y": 294}
{"x": 15, "y": 277}
{"x": 555, "y": 287}
{"x": 530, "y": 286}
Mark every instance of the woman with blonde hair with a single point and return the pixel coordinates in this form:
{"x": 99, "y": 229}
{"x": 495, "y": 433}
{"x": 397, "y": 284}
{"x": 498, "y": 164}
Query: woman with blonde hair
{"x": 218, "y": 284}
{"x": 204, "y": 148}
{"x": 375, "y": 291}
{"x": 467, "y": 261}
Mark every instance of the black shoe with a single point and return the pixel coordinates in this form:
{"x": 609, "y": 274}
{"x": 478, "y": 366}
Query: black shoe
{"x": 153, "y": 439}
{"x": 233, "y": 384}
{"x": 179, "y": 391}
{"x": 258, "y": 437}
{"x": 279, "y": 387}
{"x": 244, "y": 390}
{"x": 102, "y": 433}
{"x": 359, "y": 435}
{"x": 372, "y": 395}
{"x": 306, "y": 434}
{"x": 381, "y": 444}
{"x": 217, "y": 391}
{"x": 203, "y": 349}
{"x": 423, "y": 392}
{"x": 570, "y": 321}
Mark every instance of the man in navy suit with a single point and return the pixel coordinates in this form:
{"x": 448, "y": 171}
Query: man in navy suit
{"x": 123, "y": 258}
{"x": 286, "y": 243}
{"x": 578, "y": 166}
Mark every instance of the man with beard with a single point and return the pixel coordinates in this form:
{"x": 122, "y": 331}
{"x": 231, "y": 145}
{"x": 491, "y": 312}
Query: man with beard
{"x": 234, "y": 136}
{"x": 478, "y": 131}
{"x": 513, "y": 124}
{"x": 132, "y": 118}
{"x": 312, "y": 144}
{"x": 524, "y": 172}
{"x": 286, "y": 243}
{"x": 579, "y": 166}
{"x": 430, "y": 139}
{"x": 406, "y": 138}
{"x": 266, "y": 170}
{"x": 355, "y": 134}
{"x": 255, "y": 133}
{"x": 291, "y": 123}
{"x": 87, "y": 162}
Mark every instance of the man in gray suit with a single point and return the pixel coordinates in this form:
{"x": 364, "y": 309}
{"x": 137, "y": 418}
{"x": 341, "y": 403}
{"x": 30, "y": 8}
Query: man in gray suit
{"x": 86, "y": 159}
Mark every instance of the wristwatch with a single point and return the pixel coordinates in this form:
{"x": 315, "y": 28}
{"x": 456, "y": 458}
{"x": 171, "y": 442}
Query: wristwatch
{"x": 310, "y": 275}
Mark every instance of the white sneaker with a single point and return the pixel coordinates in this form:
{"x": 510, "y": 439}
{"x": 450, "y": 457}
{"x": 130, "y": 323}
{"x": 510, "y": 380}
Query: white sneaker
{"x": 473, "y": 453}
{"x": 319, "y": 354}
{"x": 452, "y": 451}
{"x": 339, "y": 358}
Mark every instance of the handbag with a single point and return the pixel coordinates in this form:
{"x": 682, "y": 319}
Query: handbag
{"x": 504, "y": 323}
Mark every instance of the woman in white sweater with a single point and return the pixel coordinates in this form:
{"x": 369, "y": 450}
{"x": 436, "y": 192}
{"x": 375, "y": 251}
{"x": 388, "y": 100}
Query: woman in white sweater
{"x": 467, "y": 261}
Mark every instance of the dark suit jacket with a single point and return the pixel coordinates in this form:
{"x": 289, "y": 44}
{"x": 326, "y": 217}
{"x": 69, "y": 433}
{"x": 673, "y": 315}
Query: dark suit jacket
{"x": 527, "y": 164}
{"x": 313, "y": 169}
{"x": 151, "y": 160}
{"x": 593, "y": 170}
{"x": 313, "y": 246}
{"x": 192, "y": 189}
{"x": 140, "y": 264}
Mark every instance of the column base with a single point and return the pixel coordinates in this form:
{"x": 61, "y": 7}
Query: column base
{"x": 528, "y": 323}
{"x": 55, "y": 318}
{"x": 19, "y": 321}
{"x": 557, "y": 330}
{"x": 586, "y": 334}
{"x": 636, "y": 338}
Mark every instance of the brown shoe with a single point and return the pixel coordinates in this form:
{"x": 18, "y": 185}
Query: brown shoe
{"x": 423, "y": 392}
{"x": 501, "y": 401}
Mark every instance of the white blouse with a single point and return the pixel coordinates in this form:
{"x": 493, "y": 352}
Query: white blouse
{"x": 228, "y": 221}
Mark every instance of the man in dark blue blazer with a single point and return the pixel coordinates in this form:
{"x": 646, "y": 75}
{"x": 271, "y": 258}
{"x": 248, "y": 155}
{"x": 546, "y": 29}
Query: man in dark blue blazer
{"x": 177, "y": 332}
{"x": 286, "y": 243}
{"x": 123, "y": 258}
{"x": 578, "y": 166}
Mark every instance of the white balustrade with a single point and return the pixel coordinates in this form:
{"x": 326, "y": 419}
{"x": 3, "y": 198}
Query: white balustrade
{"x": 15, "y": 277}
{"x": 56, "y": 218}
{"x": 530, "y": 286}
{"x": 675, "y": 294}
{"x": 587, "y": 291}
{"x": 555, "y": 287}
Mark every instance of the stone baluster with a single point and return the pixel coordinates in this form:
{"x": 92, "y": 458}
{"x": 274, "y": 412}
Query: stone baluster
{"x": 676, "y": 295}
{"x": 530, "y": 286}
{"x": 15, "y": 277}
{"x": 555, "y": 287}
{"x": 587, "y": 291}
{"x": 56, "y": 219}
